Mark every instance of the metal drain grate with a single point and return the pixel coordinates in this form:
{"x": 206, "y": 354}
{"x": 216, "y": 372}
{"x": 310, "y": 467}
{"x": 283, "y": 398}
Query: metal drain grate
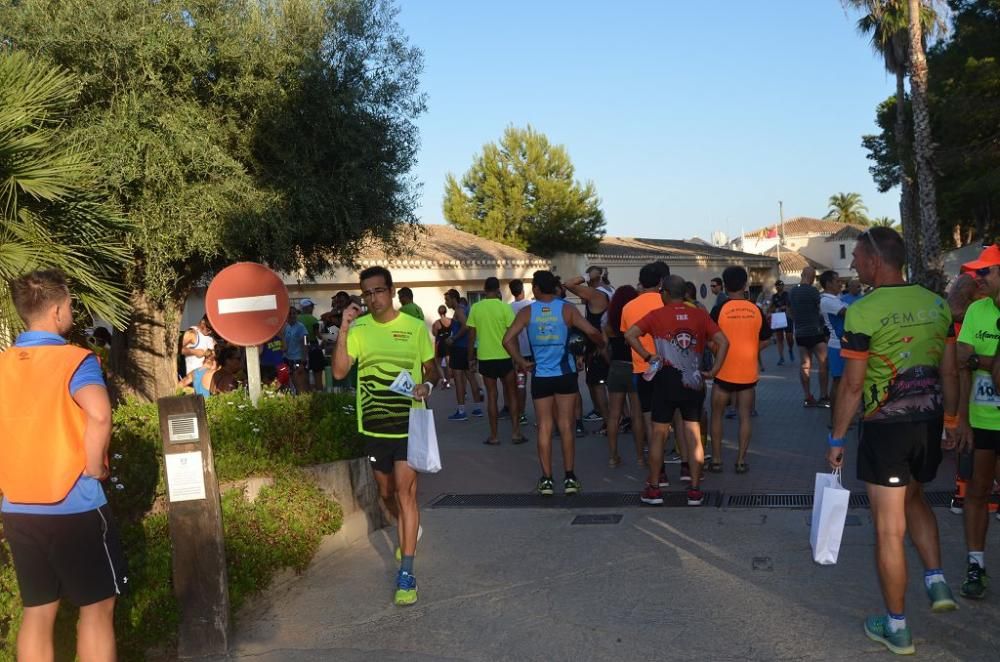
{"x": 583, "y": 500}
{"x": 612, "y": 518}
{"x": 805, "y": 500}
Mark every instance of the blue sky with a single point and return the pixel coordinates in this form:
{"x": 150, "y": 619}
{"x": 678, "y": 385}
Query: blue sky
{"x": 688, "y": 116}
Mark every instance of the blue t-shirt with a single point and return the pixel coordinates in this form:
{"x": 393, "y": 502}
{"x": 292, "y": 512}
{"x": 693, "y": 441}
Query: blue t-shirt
{"x": 295, "y": 341}
{"x": 86, "y": 494}
{"x": 850, "y": 298}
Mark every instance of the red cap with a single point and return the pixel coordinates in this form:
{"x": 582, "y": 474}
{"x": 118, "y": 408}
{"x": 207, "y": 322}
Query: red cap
{"x": 988, "y": 258}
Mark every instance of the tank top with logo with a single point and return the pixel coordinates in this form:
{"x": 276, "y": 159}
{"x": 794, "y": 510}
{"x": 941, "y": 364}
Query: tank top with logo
{"x": 548, "y": 336}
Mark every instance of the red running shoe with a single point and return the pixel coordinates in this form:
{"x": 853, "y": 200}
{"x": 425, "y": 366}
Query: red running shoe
{"x": 810, "y": 402}
{"x": 685, "y": 472}
{"x": 695, "y": 497}
{"x": 651, "y": 496}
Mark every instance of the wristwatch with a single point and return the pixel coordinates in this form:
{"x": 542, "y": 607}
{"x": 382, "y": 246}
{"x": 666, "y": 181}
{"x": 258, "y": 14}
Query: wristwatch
{"x": 973, "y": 362}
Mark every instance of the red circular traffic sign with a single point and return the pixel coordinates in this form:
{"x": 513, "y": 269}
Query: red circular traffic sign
{"x": 247, "y": 304}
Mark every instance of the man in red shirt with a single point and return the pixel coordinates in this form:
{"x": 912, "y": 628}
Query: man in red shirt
{"x": 680, "y": 334}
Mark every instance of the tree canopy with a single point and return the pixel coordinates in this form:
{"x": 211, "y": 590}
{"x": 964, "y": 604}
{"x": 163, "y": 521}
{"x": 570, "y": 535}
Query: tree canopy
{"x": 847, "y": 208}
{"x": 521, "y": 192}
{"x": 278, "y": 131}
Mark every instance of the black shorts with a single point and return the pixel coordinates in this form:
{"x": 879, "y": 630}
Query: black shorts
{"x": 986, "y": 440}
{"x": 294, "y": 364}
{"x": 458, "y": 358}
{"x": 731, "y": 387}
{"x": 597, "y": 370}
{"x": 669, "y": 396}
{"x": 546, "y": 387}
{"x": 317, "y": 360}
{"x": 383, "y": 453}
{"x": 495, "y": 368}
{"x": 620, "y": 377}
{"x": 808, "y": 342}
{"x": 77, "y": 558}
{"x": 892, "y": 454}
{"x": 645, "y": 390}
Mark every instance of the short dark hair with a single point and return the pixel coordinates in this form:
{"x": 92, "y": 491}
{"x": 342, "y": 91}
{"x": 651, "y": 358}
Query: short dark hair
{"x": 545, "y": 281}
{"x": 492, "y": 284}
{"x": 690, "y": 290}
{"x": 622, "y": 296}
{"x": 442, "y": 310}
{"x": 227, "y": 352}
{"x": 404, "y": 293}
{"x": 885, "y": 243}
{"x": 779, "y": 283}
{"x": 651, "y": 275}
{"x": 716, "y": 281}
{"x": 675, "y": 287}
{"x": 37, "y": 290}
{"x": 735, "y": 279}
{"x": 594, "y": 267}
{"x": 516, "y": 287}
{"x": 102, "y": 334}
{"x": 826, "y": 277}
{"x": 372, "y": 272}
{"x": 453, "y": 294}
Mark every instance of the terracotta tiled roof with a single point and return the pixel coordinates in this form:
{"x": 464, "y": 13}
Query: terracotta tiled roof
{"x": 441, "y": 245}
{"x": 803, "y": 225}
{"x": 847, "y": 232}
{"x": 636, "y": 247}
{"x": 792, "y": 262}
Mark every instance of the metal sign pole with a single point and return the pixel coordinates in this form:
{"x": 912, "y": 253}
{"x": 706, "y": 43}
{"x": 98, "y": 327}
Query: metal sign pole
{"x": 253, "y": 373}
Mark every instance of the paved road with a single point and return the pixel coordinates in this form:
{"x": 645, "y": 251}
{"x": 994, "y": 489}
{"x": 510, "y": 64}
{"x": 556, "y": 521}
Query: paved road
{"x": 675, "y": 583}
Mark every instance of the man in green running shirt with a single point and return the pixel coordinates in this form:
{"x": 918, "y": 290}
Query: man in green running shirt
{"x": 385, "y": 343}
{"x": 899, "y": 352}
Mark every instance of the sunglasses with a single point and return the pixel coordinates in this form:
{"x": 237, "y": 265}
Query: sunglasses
{"x": 984, "y": 272}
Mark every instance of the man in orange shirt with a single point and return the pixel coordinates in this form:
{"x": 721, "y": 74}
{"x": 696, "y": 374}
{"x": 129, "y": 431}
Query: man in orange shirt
{"x": 743, "y": 325}
{"x": 649, "y": 299}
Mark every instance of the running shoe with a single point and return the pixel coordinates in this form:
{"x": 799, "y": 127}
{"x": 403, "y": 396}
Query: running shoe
{"x": 546, "y": 487}
{"x": 941, "y": 598}
{"x": 708, "y": 456}
{"x": 477, "y": 412}
{"x": 406, "y": 589}
{"x": 899, "y": 642}
{"x": 523, "y": 419}
{"x": 593, "y": 417}
{"x": 958, "y": 504}
{"x": 459, "y": 416}
{"x": 580, "y": 431}
{"x": 673, "y": 458}
{"x": 810, "y": 402}
{"x": 664, "y": 481}
{"x": 695, "y": 497}
{"x": 626, "y": 425}
{"x": 571, "y": 486}
{"x": 685, "y": 472}
{"x": 823, "y": 402}
{"x": 651, "y": 496}
{"x": 781, "y": 361}
{"x": 976, "y": 581}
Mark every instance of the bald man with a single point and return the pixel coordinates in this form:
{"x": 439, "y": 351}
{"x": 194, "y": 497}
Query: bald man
{"x": 810, "y": 336}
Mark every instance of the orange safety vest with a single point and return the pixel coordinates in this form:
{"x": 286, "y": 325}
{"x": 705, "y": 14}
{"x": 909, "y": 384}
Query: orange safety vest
{"x": 41, "y": 426}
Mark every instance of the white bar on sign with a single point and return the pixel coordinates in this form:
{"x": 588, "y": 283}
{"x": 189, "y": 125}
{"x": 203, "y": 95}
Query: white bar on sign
{"x": 248, "y": 304}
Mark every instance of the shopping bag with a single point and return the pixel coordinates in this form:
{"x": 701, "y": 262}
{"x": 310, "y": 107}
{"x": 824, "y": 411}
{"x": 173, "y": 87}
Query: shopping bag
{"x": 828, "y": 517}
{"x": 779, "y": 321}
{"x": 422, "y": 447}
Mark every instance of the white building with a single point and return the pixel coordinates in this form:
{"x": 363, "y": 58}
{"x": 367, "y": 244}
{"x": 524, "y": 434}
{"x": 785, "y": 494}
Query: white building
{"x": 820, "y": 243}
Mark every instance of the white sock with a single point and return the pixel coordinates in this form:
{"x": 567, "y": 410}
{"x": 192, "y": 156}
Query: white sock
{"x": 932, "y": 576}
{"x": 896, "y": 622}
{"x": 461, "y": 409}
{"x": 978, "y": 559}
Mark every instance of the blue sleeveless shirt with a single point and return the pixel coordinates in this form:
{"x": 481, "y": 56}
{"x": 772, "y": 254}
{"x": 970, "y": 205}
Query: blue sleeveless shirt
{"x": 548, "y": 335}
{"x": 456, "y": 326}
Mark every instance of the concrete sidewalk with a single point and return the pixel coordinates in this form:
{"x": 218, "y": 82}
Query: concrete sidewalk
{"x": 678, "y": 583}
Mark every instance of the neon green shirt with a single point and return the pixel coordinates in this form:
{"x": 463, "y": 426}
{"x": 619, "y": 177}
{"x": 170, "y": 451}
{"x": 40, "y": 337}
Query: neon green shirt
{"x": 310, "y": 322}
{"x": 979, "y": 330}
{"x": 413, "y": 310}
{"x": 381, "y": 352}
{"x": 490, "y": 318}
{"x": 901, "y": 331}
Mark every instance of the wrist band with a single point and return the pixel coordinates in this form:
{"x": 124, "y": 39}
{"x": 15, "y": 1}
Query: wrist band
{"x": 950, "y": 421}
{"x": 834, "y": 442}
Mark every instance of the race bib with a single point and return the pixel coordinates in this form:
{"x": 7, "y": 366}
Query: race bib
{"x": 984, "y": 392}
{"x": 403, "y": 384}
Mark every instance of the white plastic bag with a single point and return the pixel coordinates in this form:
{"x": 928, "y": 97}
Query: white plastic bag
{"x": 422, "y": 447}
{"x": 829, "y": 514}
{"x": 779, "y": 321}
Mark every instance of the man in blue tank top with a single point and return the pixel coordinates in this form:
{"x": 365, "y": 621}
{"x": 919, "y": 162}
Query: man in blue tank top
{"x": 548, "y": 321}
{"x": 458, "y": 357}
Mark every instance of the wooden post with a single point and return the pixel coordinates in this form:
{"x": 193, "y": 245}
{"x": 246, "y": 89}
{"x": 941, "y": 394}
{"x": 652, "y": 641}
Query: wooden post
{"x": 195, "y": 510}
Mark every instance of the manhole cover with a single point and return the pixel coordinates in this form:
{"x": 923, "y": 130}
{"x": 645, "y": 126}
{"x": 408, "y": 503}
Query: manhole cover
{"x": 612, "y": 518}
{"x": 763, "y": 563}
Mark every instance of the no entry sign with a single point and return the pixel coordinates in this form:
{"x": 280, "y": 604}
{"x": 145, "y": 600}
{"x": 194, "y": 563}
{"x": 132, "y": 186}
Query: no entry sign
{"x": 247, "y": 304}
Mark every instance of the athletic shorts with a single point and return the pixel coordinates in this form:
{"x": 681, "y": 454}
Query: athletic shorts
{"x": 77, "y": 558}
{"x": 732, "y": 387}
{"x": 383, "y": 452}
{"x": 809, "y": 342}
{"x": 317, "y": 360}
{"x": 597, "y": 370}
{"x": 986, "y": 440}
{"x": 645, "y": 390}
{"x": 670, "y": 396}
{"x": 892, "y": 454}
{"x": 496, "y": 368}
{"x": 620, "y": 378}
{"x": 458, "y": 358}
{"x": 546, "y": 387}
{"x": 835, "y": 361}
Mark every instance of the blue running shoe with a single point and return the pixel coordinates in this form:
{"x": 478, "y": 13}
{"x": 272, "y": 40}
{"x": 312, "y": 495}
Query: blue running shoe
{"x": 899, "y": 642}
{"x": 459, "y": 416}
{"x": 941, "y": 598}
{"x": 406, "y": 589}
{"x": 477, "y": 412}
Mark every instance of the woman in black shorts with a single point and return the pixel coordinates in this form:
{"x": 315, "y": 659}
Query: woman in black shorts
{"x": 441, "y": 330}
{"x": 621, "y": 381}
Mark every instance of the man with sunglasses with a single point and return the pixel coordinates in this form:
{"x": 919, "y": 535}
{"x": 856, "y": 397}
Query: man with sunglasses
{"x": 385, "y": 343}
{"x": 979, "y": 412}
{"x": 899, "y": 364}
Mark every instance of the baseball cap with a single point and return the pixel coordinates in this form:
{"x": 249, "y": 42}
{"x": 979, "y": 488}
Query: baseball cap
{"x": 988, "y": 258}
{"x": 305, "y": 303}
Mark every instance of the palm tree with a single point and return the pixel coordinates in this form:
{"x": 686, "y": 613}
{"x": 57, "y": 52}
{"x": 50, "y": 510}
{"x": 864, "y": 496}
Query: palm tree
{"x": 883, "y": 222}
{"x": 49, "y": 216}
{"x": 847, "y": 208}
